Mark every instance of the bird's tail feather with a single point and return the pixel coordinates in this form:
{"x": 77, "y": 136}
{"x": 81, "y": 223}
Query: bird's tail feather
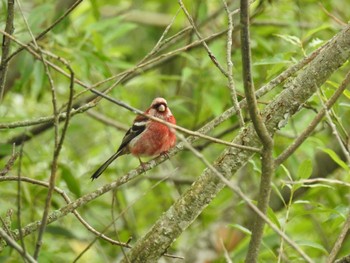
{"x": 104, "y": 166}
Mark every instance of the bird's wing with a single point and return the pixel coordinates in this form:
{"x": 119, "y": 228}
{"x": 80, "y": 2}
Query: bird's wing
{"x": 137, "y": 128}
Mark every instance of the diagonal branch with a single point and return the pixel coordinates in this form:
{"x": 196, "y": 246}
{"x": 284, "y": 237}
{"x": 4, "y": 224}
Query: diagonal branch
{"x": 17, "y": 247}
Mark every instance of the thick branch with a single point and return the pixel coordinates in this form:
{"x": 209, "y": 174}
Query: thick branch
{"x": 179, "y": 216}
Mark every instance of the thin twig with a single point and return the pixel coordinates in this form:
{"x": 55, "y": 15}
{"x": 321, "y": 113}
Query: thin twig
{"x": 71, "y": 207}
{"x": 19, "y": 198}
{"x": 231, "y": 83}
{"x": 267, "y": 162}
{"x": 17, "y": 247}
{"x": 114, "y": 221}
{"x": 339, "y": 241}
{"x": 345, "y": 259}
{"x": 48, "y": 29}
{"x": 7, "y": 222}
{"x": 284, "y": 226}
{"x": 336, "y": 19}
{"x": 210, "y": 53}
{"x": 120, "y": 215}
{"x": 58, "y": 140}
{"x": 311, "y": 127}
{"x": 334, "y": 130}
{"x": 68, "y": 201}
{"x": 107, "y": 121}
{"x": 10, "y": 162}
{"x": 139, "y": 64}
{"x": 309, "y": 182}
{"x": 6, "y": 46}
{"x": 55, "y": 155}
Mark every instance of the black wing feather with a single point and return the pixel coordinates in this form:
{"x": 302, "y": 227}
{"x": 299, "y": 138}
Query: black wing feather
{"x": 133, "y": 132}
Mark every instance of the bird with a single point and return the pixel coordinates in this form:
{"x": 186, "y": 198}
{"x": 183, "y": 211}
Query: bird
{"x": 146, "y": 137}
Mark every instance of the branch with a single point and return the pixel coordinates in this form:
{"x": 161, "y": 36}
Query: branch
{"x": 334, "y": 129}
{"x": 231, "y": 82}
{"x": 6, "y": 46}
{"x": 339, "y": 242}
{"x": 267, "y": 163}
{"x": 306, "y": 133}
{"x": 186, "y": 209}
{"x": 17, "y": 247}
{"x": 211, "y": 55}
{"x": 16, "y": 233}
{"x": 48, "y": 29}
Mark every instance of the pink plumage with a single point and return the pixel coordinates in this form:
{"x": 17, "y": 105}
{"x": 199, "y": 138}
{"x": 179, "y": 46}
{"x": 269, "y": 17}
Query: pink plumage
{"x": 146, "y": 137}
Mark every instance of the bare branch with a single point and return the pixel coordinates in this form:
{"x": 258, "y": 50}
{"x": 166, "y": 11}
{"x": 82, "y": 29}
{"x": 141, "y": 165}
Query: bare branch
{"x": 10, "y": 162}
{"x": 19, "y": 201}
{"x": 267, "y": 162}
{"x": 231, "y": 83}
{"x": 17, "y": 247}
{"x": 210, "y": 53}
{"x": 6, "y": 46}
{"x": 58, "y": 140}
{"x": 340, "y": 239}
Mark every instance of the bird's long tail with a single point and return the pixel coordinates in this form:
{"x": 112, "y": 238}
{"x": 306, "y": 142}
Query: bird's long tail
{"x": 104, "y": 166}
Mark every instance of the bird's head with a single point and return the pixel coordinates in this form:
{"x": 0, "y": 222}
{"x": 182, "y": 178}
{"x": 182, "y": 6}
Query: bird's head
{"x": 159, "y": 108}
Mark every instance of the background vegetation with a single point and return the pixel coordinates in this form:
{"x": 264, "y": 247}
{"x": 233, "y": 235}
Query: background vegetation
{"x": 104, "y": 39}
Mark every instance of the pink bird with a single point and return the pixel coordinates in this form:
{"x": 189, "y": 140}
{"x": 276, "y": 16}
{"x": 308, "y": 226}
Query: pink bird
{"x": 146, "y": 137}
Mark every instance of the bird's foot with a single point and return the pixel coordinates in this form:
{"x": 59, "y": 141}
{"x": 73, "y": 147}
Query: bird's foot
{"x": 143, "y": 165}
{"x": 165, "y": 154}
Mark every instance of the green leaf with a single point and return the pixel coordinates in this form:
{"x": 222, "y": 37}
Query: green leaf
{"x": 278, "y": 193}
{"x": 272, "y": 216}
{"x": 336, "y": 158}
{"x": 315, "y": 245}
{"x": 70, "y": 180}
{"x": 305, "y": 169}
{"x": 291, "y": 39}
{"x": 347, "y": 93}
{"x": 242, "y": 229}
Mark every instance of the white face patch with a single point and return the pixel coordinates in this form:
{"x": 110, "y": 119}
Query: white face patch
{"x": 140, "y": 123}
{"x": 161, "y": 108}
